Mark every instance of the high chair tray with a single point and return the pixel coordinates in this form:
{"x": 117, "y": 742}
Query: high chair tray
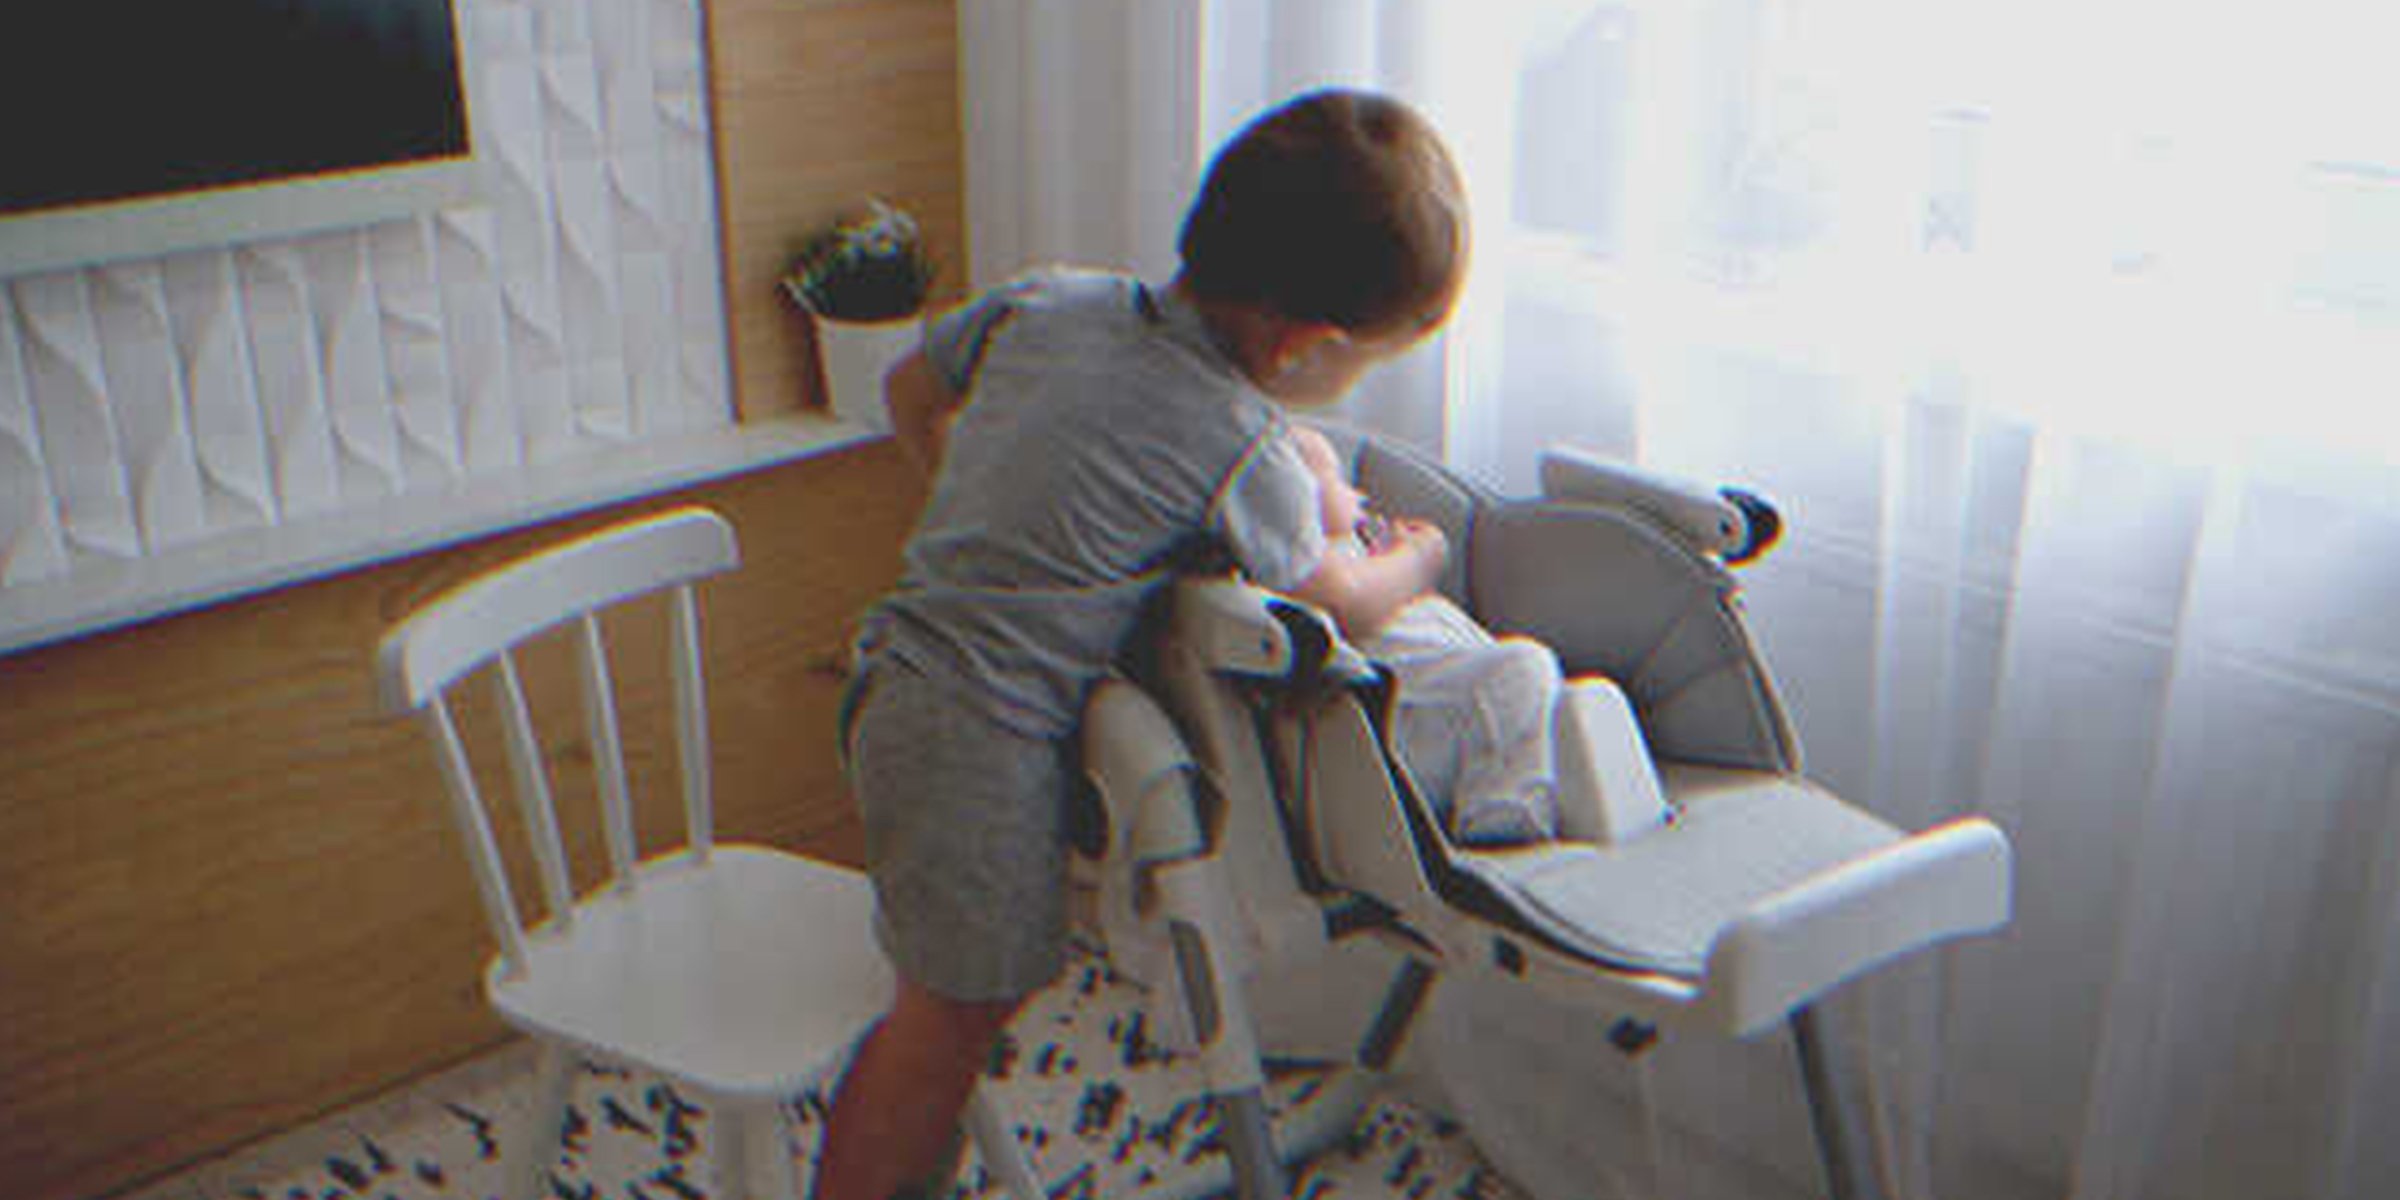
{"x": 1764, "y": 891}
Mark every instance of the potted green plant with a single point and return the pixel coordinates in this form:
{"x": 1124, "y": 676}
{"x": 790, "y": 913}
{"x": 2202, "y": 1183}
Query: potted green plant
{"x": 864, "y": 280}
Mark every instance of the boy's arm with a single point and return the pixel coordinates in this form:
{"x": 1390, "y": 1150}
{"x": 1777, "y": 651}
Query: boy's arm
{"x": 1363, "y": 591}
{"x": 921, "y": 405}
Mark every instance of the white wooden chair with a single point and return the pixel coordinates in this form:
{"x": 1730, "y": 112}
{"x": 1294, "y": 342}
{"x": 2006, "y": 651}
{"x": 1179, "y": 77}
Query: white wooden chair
{"x": 740, "y": 971}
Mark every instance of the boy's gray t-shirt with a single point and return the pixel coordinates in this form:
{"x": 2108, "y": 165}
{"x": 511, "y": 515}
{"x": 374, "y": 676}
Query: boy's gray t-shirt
{"x": 1106, "y": 441}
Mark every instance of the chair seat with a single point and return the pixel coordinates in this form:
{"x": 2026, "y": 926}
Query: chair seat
{"x": 1657, "y": 902}
{"x": 747, "y": 974}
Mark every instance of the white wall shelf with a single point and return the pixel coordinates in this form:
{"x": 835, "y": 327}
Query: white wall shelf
{"x": 98, "y": 596}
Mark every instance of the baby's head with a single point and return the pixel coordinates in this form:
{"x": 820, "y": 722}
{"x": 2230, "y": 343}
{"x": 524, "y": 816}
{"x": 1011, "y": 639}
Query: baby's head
{"x": 1341, "y": 213}
{"x": 1340, "y": 505}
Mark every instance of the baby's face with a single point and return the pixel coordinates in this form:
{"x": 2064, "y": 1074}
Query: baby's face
{"x": 1341, "y": 506}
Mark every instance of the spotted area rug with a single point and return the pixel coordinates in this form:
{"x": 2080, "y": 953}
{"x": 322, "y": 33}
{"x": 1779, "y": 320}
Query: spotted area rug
{"x": 1100, "y": 1108}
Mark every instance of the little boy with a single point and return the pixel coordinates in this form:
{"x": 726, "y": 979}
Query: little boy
{"x": 1084, "y": 435}
{"x": 1474, "y": 712}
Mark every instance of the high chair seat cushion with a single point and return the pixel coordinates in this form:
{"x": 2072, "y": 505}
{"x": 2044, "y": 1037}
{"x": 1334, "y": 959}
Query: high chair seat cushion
{"x": 1657, "y": 902}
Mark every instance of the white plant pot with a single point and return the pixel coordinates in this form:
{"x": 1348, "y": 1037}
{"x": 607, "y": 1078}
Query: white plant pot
{"x": 856, "y": 355}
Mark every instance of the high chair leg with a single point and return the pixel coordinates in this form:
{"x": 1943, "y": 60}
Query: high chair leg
{"x": 1849, "y": 1168}
{"x": 1229, "y": 1061}
{"x": 1242, "y": 1118}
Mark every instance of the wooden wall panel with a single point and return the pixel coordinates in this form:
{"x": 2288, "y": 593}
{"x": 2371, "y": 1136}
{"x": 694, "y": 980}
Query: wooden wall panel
{"x": 232, "y": 900}
{"x": 820, "y": 104}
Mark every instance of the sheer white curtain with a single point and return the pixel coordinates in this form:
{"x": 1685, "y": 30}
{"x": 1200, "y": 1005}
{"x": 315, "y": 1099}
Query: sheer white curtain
{"x": 2068, "y": 334}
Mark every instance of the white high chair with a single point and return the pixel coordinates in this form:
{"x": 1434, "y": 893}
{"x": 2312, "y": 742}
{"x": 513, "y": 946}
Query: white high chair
{"x": 741, "y": 971}
{"x": 1253, "y": 821}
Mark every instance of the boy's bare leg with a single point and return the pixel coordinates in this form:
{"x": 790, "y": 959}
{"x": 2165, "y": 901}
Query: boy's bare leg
{"x": 896, "y": 1112}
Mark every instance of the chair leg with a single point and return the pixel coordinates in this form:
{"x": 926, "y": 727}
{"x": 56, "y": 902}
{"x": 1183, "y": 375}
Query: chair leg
{"x": 997, "y": 1146}
{"x": 783, "y": 1171}
{"x": 1849, "y": 1169}
{"x": 731, "y": 1149}
{"x": 746, "y": 1130}
{"x": 545, "y": 1129}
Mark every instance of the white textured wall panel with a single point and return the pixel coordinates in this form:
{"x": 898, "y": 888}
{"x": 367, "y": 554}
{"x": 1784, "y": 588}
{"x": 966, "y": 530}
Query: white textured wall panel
{"x": 153, "y": 404}
{"x": 408, "y": 315}
{"x": 30, "y": 544}
{"x": 212, "y": 356}
{"x": 61, "y": 347}
{"x": 291, "y": 387}
{"x": 476, "y": 322}
{"x": 512, "y": 120}
{"x": 137, "y": 357}
{"x": 349, "y": 344}
{"x": 679, "y": 90}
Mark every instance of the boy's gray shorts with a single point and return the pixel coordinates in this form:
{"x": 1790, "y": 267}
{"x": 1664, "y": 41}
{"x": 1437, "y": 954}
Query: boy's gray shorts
{"x": 965, "y": 838}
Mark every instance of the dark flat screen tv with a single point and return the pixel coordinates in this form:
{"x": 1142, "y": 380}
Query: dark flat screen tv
{"x": 136, "y": 127}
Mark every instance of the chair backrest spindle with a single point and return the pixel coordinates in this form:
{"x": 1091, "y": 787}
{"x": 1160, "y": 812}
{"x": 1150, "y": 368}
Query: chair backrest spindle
{"x": 483, "y": 853}
{"x": 691, "y": 722}
{"x": 608, "y": 752}
{"x": 534, "y": 801}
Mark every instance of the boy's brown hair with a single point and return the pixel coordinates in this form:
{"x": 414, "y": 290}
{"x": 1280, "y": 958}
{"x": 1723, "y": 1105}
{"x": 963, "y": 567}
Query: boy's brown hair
{"x": 1339, "y": 206}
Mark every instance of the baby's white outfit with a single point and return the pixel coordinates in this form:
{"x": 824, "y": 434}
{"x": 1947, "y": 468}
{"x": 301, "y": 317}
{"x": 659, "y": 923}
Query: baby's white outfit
{"x": 1474, "y": 717}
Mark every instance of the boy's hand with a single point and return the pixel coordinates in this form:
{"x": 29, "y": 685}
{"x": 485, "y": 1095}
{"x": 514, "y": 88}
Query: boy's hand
{"x": 1419, "y": 548}
{"x": 1363, "y": 593}
{"x": 921, "y": 406}
{"x": 1411, "y": 535}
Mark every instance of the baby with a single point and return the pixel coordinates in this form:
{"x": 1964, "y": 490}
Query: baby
{"x": 1475, "y": 712}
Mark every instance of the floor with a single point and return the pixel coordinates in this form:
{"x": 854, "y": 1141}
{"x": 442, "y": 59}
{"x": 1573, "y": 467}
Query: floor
{"x": 1102, "y": 1111}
